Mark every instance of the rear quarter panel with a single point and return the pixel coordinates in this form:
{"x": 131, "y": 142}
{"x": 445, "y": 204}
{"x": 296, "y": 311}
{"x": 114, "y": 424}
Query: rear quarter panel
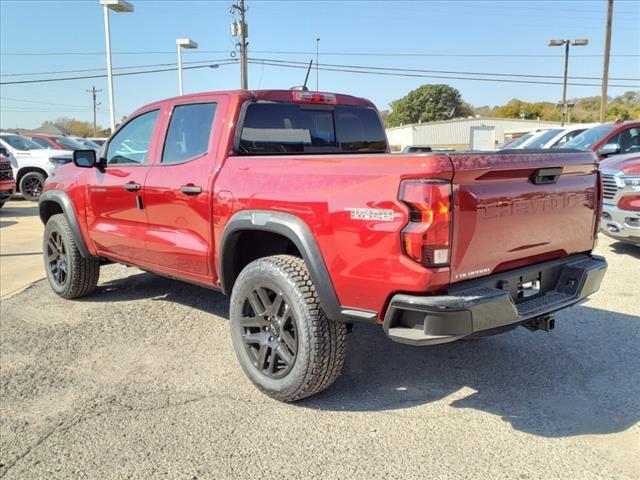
{"x": 364, "y": 257}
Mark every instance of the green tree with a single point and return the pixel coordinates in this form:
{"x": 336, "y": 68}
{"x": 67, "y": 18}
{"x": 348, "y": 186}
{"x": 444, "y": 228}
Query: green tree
{"x": 78, "y": 128}
{"x": 428, "y": 103}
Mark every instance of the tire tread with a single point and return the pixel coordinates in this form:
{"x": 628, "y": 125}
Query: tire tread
{"x": 84, "y": 272}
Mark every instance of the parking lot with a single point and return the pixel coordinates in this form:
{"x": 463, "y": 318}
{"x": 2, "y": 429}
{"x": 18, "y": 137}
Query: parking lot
{"x": 140, "y": 379}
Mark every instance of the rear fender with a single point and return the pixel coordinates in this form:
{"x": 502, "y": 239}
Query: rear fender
{"x": 298, "y": 232}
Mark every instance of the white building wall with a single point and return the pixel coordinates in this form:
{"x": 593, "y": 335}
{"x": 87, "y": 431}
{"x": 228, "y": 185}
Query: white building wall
{"x": 400, "y": 136}
{"x": 457, "y": 132}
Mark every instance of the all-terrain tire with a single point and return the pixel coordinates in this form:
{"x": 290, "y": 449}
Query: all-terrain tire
{"x": 320, "y": 342}
{"x": 81, "y": 275}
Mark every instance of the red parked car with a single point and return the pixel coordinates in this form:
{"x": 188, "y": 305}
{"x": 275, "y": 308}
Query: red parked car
{"x": 56, "y": 142}
{"x": 7, "y": 182}
{"x": 609, "y": 139}
{"x": 621, "y": 193}
{"x": 289, "y": 202}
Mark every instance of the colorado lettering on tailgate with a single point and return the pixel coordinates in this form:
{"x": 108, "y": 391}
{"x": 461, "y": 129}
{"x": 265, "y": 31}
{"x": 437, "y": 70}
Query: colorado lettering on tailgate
{"x": 547, "y": 203}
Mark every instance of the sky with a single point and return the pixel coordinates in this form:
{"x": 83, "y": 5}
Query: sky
{"x": 487, "y": 37}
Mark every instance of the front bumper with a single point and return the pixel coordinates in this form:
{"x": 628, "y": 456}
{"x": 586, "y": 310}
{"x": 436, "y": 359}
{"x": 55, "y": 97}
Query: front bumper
{"x": 620, "y": 224}
{"x": 491, "y": 303}
{"x": 6, "y": 190}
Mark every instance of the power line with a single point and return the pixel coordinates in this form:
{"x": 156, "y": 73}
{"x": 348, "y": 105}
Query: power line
{"x": 85, "y": 77}
{"x": 102, "y": 69}
{"x": 42, "y": 103}
{"x": 350, "y": 69}
{"x": 303, "y": 52}
{"x": 400, "y": 69}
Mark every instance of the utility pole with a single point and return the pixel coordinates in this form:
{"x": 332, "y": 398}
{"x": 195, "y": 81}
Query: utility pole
{"x": 239, "y": 29}
{"x": 94, "y": 93}
{"x": 317, "y": 58}
{"x": 605, "y": 68}
{"x": 563, "y": 118}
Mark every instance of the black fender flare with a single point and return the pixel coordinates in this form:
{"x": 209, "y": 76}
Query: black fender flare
{"x": 62, "y": 199}
{"x": 296, "y": 230}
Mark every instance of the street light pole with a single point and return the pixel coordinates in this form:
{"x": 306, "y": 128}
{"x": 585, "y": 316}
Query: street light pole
{"x": 117, "y": 6}
{"x": 183, "y": 43}
{"x": 558, "y": 43}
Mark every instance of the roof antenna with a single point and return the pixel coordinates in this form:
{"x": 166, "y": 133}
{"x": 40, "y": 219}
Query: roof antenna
{"x": 306, "y": 78}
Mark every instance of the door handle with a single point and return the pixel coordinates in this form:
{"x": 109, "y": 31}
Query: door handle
{"x": 191, "y": 189}
{"x": 132, "y": 187}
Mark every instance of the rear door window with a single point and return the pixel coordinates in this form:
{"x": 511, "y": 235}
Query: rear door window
{"x": 189, "y": 131}
{"x": 271, "y": 128}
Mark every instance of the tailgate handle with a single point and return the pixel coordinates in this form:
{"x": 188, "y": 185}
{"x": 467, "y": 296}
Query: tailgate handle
{"x": 546, "y": 175}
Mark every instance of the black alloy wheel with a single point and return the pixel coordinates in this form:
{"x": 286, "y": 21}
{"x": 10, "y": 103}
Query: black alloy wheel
{"x": 57, "y": 258}
{"x": 269, "y": 331}
{"x": 31, "y": 185}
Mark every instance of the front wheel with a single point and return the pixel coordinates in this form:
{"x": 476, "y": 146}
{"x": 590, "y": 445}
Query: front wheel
{"x": 69, "y": 273}
{"x": 283, "y": 340}
{"x": 31, "y": 185}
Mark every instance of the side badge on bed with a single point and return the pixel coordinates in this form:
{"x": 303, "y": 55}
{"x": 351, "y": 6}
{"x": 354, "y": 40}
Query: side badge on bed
{"x": 380, "y": 214}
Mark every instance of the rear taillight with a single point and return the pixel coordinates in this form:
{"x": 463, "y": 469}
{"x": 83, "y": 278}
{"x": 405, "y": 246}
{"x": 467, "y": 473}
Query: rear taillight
{"x": 427, "y": 236}
{"x": 301, "y": 96}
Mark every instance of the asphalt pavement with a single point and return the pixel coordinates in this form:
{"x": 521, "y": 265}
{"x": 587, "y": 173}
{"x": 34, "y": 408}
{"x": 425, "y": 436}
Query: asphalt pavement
{"x": 139, "y": 380}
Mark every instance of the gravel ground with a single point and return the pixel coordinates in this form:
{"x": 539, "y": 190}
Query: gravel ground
{"x": 139, "y": 380}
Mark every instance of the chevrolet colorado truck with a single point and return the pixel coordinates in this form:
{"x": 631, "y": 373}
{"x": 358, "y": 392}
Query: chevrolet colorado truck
{"x": 289, "y": 201}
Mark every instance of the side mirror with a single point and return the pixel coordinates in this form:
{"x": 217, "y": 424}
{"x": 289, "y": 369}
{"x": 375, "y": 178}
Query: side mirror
{"x": 609, "y": 149}
{"x": 84, "y": 158}
{"x": 4, "y": 152}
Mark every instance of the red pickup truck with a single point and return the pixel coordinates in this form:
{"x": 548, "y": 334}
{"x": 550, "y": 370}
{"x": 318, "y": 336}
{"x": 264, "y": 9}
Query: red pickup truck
{"x": 290, "y": 202}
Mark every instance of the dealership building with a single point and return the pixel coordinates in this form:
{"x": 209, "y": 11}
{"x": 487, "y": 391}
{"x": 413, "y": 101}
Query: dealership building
{"x": 477, "y": 133}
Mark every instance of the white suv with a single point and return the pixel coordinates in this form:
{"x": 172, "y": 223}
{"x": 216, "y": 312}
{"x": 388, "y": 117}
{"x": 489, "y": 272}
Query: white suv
{"x": 31, "y": 163}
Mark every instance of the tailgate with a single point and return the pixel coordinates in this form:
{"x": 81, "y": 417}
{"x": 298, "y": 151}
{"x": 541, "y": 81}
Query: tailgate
{"x": 519, "y": 208}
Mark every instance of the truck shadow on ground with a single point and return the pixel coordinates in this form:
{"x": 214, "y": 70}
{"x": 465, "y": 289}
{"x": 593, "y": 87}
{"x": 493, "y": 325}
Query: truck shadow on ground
{"x": 582, "y": 378}
{"x": 626, "y": 249}
{"x": 12, "y": 211}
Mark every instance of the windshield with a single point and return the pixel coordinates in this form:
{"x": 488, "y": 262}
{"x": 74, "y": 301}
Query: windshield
{"x": 271, "y": 127}
{"x": 519, "y": 141}
{"x": 69, "y": 143}
{"x": 21, "y": 143}
{"x": 88, "y": 143}
{"x": 543, "y": 138}
{"x": 590, "y": 137}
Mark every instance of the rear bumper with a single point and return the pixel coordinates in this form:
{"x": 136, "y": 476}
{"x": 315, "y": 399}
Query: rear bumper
{"x": 620, "y": 224}
{"x": 488, "y": 303}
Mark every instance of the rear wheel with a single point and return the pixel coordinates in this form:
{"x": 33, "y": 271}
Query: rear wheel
{"x": 284, "y": 342}
{"x": 31, "y": 185}
{"x": 69, "y": 273}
